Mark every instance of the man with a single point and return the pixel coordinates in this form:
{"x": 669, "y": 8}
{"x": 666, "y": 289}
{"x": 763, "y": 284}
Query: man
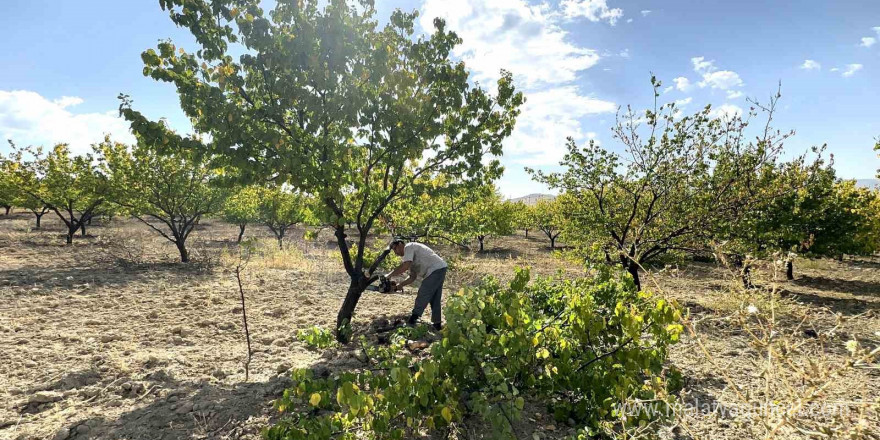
{"x": 424, "y": 263}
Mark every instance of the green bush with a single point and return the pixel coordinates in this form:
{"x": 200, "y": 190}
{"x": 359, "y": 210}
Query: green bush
{"x": 317, "y": 337}
{"x": 582, "y": 348}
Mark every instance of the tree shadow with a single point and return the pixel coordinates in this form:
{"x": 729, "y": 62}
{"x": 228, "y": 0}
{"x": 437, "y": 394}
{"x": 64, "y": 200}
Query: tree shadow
{"x": 699, "y": 394}
{"x": 862, "y": 262}
{"x": 558, "y": 247}
{"x": 181, "y": 410}
{"x": 186, "y": 410}
{"x": 45, "y": 279}
{"x": 498, "y": 253}
{"x": 845, "y": 306}
{"x": 854, "y": 287}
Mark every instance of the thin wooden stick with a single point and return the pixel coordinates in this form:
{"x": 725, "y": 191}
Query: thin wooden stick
{"x": 247, "y": 334}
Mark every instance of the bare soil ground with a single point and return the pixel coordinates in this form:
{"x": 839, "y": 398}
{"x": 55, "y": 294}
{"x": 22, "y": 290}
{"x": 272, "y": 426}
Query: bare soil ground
{"x": 111, "y": 339}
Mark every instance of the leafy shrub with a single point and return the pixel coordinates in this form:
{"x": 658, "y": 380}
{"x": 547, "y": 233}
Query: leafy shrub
{"x": 317, "y": 337}
{"x": 580, "y": 347}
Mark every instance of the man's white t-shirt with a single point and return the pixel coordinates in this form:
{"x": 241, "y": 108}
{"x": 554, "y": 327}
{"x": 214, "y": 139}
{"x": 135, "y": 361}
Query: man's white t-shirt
{"x": 424, "y": 259}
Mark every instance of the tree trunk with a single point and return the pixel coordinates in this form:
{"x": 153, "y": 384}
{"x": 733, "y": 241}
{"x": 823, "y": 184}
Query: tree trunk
{"x": 39, "y": 217}
{"x": 7, "y": 207}
{"x": 633, "y": 270}
{"x": 82, "y": 229}
{"x": 481, "y": 237}
{"x": 527, "y": 233}
{"x": 89, "y": 221}
{"x": 70, "y": 233}
{"x": 746, "y": 275}
{"x": 343, "y": 318}
{"x": 241, "y": 232}
{"x": 280, "y": 237}
{"x": 181, "y": 247}
{"x": 789, "y": 269}
{"x": 552, "y": 242}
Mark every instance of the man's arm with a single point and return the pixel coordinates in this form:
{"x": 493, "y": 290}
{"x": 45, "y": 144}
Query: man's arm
{"x": 408, "y": 281}
{"x": 403, "y": 267}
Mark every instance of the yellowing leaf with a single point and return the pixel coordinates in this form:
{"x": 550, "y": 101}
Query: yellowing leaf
{"x": 315, "y": 399}
{"x": 446, "y": 413}
{"x": 509, "y": 319}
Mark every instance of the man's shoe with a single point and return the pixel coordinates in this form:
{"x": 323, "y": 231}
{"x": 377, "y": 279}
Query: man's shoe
{"x": 437, "y": 326}
{"x": 412, "y": 321}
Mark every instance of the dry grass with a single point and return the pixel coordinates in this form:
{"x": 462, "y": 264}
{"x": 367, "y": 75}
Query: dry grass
{"x": 114, "y": 313}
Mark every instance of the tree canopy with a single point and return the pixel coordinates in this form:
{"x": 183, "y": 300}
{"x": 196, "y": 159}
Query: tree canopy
{"x": 280, "y": 209}
{"x": 326, "y": 100}
{"x": 487, "y": 215}
{"x": 821, "y": 216}
{"x": 683, "y": 180}
{"x": 172, "y": 189}
{"x": 242, "y": 207}
{"x": 549, "y": 217}
{"x": 70, "y": 185}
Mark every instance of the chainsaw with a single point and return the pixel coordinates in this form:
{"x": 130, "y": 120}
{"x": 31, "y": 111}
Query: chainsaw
{"x": 385, "y": 285}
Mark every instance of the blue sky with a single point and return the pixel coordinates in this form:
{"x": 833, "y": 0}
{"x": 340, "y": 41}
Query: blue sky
{"x": 64, "y": 63}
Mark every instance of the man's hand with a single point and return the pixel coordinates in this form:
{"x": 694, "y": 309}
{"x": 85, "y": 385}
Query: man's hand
{"x": 406, "y": 282}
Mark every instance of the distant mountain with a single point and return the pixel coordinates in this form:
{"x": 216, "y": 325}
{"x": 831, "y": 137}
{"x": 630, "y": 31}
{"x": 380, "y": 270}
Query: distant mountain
{"x": 868, "y": 183}
{"x": 531, "y": 199}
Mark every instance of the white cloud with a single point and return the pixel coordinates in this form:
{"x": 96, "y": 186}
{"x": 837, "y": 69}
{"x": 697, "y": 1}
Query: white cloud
{"x": 629, "y": 20}
{"x": 877, "y": 30}
{"x": 667, "y": 90}
{"x": 28, "y": 118}
{"x": 511, "y": 34}
{"x": 529, "y": 41}
{"x": 868, "y": 41}
{"x": 811, "y": 65}
{"x": 682, "y": 84}
{"x": 851, "y": 70}
{"x": 734, "y": 94}
{"x": 683, "y": 102}
{"x": 722, "y": 79}
{"x": 701, "y": 65}
{"x": 645, "y": 12}
{"x": 593, "y": 10}
{"x": 714, "y": 78}
{"x": 624, "y": 53}
{"x": 726, "y": 111}
{"x": 547, "y": 118}
{"x": 68, "y": 101}
{"x": 834, "y": 69}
